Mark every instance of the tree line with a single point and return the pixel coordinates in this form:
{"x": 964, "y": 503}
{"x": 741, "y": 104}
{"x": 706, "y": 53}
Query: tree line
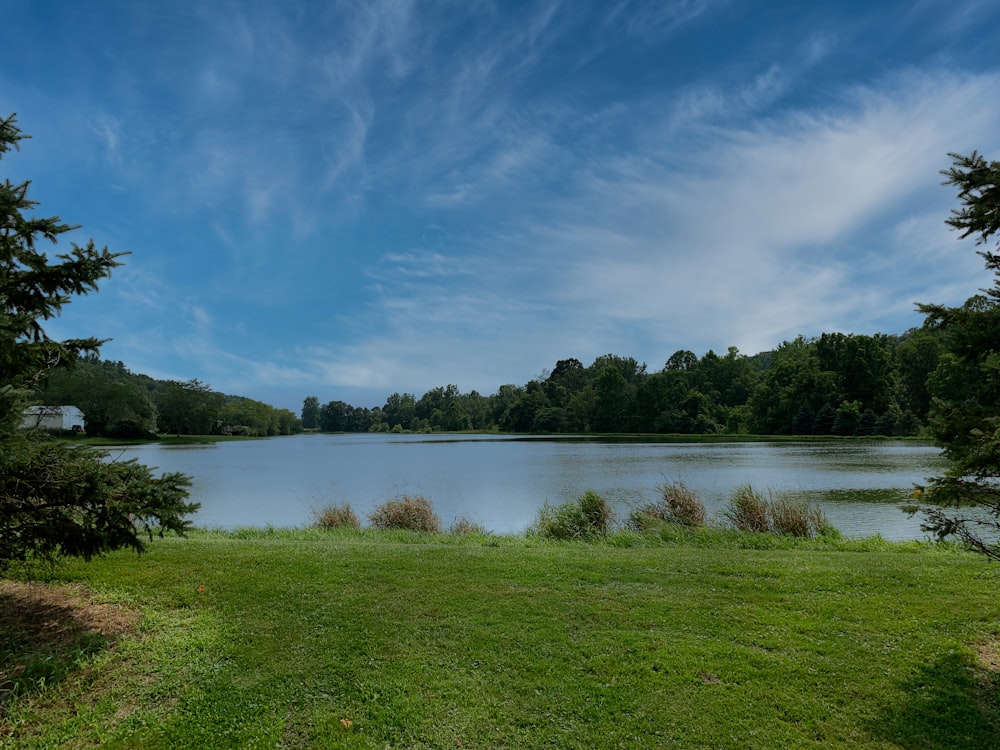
{"x": 119, "y": 403}
{"x": 835, "y": 384}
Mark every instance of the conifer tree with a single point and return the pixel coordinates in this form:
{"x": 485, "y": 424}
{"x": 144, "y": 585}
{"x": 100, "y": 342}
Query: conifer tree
{"x": 965, "y": 412}
{"x": 55, "y": 499}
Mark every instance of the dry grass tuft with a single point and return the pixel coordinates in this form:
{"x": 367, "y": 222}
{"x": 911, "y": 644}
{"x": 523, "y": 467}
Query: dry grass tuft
{"x": 587, "y": 517}
{"x": 406, "y": 512}
{"x": 336, "y": 517}
{"x": 749, "y": 510}
{"x": 464, "y": 527}
{"x": 678, "y": 505}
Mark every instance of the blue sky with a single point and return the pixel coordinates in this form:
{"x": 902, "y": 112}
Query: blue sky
{"x": 346, "y": 199}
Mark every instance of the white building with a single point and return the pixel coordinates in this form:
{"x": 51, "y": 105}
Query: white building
{"x": 52, "y": 418}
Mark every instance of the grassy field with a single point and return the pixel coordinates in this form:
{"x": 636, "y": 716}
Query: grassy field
{"x": 306, "y": 639}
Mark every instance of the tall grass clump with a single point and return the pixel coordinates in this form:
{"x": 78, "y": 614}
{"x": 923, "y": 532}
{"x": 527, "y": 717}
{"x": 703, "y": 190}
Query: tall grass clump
{"x": 406, "y": 512}
{"x": 336, "y": 517}
{"x": 748, "y": 510}
{"x": 465, "y": 527}
{"x": 678, "y": 505}
{"x": 587, "y": 517}
{"x": 799, "y": 519}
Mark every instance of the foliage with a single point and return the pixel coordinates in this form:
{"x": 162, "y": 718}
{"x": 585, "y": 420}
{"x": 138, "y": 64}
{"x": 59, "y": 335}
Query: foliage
{"x": 412, "y": 513}
{"x": 56, "y": 500}
{"x": 115, "y": 403}
{"x": 877, "y": 385}
{"x": 336, "y": 517}
{"x": 188, "y": 408}
{"x": 118, "y": 403}
{"x": 310, "y": 412}
{"x": 677, "y": 505}
{"x": 965, "y": 411}
{"x": 798, "y": 519}
{"x": 587, "y": 517}
{"x": 60, "y": 500}
{"x": 245, "y": 416}
{"x": 463, "y": 526}
{"x": 749, "y": 510}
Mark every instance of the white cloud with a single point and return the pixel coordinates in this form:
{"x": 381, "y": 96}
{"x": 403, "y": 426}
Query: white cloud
{"x": 762, "y": 235}
{"x": 108, "y": 129}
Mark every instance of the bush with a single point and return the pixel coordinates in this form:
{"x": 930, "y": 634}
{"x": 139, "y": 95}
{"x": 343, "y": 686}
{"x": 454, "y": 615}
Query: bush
{"x": 464, "y": 527}
{"x": 798, "y": 519}
{"x": 412, "y": 513}
{"x": 588, "y": 516}
{"x": 748, "y": 510}
{"x": 678, "y": 505}
{"x": 336, "y": 517}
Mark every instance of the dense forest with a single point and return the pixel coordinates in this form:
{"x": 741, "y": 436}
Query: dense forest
{"x": 836, "y": 384}
{"x": 119, "y": 403}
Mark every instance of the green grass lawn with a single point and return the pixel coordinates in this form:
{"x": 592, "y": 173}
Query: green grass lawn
{"x": 373, "y": 640}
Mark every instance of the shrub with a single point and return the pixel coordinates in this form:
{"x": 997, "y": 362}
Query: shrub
{"x": 588, "y": 516}
{"x": 336, "y": 517}
{"x": 750, "y": 511}
{"x": 463, "y": 526}
{"x": 678, "y": 505}
{"x": 412, "y": 513}
{"x": 798, "y": 519}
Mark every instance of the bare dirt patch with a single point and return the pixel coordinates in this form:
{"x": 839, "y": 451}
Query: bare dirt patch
{"x": 988, "y": 655}
{"x": 44, "y": 624}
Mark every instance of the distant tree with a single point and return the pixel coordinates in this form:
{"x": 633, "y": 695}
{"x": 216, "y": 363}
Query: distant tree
{"x": 965, "y": 412}
{"x": 335, "y": 416}
{"x": 503, "y": 401}
{"x": 861, "y": 367}
{"x": 805, "y": 420}
{"x": 310, "y": 413}
{"x": 245, "y": 416}
{"x": 825, "y": 419}
{"x": 522, "y": 411}
{"x": 793, "y": 377}
{"x": 888, "y": 422}
{"x": 476, "y": 410}
{"x": 867, "y": 424}
{"x": 58, "y": 500}
{"x": 569, "y": 373}
{"x": 726, "y": 383}
{"x": 112, "y": 406}
{"x": 399, "y": 409}
{"x": 188, "y": 408}
{"x": 288, "y": 423}
{"x": 848, "y": 418}
{"x": 917, "y": 357}
{"x": 613, "y": 396}
{"x": 682, "y": 359}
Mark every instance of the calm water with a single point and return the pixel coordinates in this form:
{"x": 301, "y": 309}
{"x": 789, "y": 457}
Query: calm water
{"x": 500, "y": 482}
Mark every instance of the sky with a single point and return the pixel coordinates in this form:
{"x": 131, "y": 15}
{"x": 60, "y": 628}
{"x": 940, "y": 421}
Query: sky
{"x": 351, "y": 199}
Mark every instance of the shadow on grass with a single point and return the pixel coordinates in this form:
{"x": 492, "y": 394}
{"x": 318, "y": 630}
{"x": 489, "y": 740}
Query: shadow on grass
{"x": 47, "y": 631}
{"x": 951, "y": 703}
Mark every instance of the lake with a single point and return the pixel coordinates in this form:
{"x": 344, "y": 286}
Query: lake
{"x": 500, "y": 482}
